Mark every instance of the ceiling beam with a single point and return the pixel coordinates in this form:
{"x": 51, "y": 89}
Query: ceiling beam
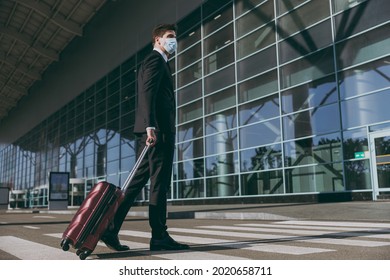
{"x": 20, "y": 68}
{"x": 52, "y": 55}
{"x": 45, "y": 10}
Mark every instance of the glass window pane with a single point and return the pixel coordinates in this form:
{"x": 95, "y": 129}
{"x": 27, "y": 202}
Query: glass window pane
{"x": 221, "y": 164}
{"x": 189, "y": 93}
{"x": 261, "y": 158}
{"x": 258, "y": 86}
{"x": 191, "y": 169}
{"x": 320, "y": 120}
{"x": 190, "y": 150}
{"x": 190, "y": 130}
{"x": 313, "y": 94}
{"x": 320, "y": 149}
{"x": 221, "y": 121}
{"x": 354, "y": 141}
{"x": 257, "y": 63}
{"x": 366, "y": 110}
{"x": 190, "y": 112}
{"x": 255, "y": 18}
{"x": 311, "y": 67}
{"x": 259, "y": 110}
{"x": 339, "y": 5}
{"x": 190, "y": 56}
{"x": 318, "y": 178}
{"x": 357, "y": 175}
{"x": 221, "y": 143}
{"x": 190, "y": 189}
{"x": 218, "y": 40}
{"x": 219, "y": 19}
{"x": 303, "y": 17}
{"x": 222, "y": 186}
{"x": 306, "y": 42}
{"x": 365, "y": 47}
{"x": 220, "y": 100}
{"x": 268, "y": 182}
{"x": 365, "y": 78}
{"x": 219, "y": 59}
{"x": 260, "y": 134}
{"x": 242, "y": 6}
{"x": 256, "y": 41}
{"x": 219, "y": 80}
{"x": 283, "y": 6}
{"x": 189, "y": 74}
{"x": 361, "y": 17}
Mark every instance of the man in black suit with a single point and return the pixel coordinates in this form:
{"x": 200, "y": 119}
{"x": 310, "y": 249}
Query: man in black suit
{"x": 154, "y": 126}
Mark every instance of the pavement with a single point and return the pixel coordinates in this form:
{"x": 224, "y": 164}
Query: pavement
{"x": 378, "y": 211}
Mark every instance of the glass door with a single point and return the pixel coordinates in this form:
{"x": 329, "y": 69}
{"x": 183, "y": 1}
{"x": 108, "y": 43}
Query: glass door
{"x": 380, "y": 162}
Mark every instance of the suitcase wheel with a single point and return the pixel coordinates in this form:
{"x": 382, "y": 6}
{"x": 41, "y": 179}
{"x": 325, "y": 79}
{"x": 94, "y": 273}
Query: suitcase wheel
{"x": 65, "y": 244}
{"x": 83, "y": 254}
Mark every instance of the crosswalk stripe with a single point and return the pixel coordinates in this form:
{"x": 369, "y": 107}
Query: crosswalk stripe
{"x": 312, "y": 239}
{"x": 339, "y": 228}
{"x": 28, "y": 250}
{"x": 336, "y": 224}
{"x": 244, "y": 245}
{"x": 190, "y": 255}
{"x": 353, "y": 232}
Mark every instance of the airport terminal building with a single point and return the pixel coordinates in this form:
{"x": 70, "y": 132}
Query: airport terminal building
{"x": 277, "y": 100}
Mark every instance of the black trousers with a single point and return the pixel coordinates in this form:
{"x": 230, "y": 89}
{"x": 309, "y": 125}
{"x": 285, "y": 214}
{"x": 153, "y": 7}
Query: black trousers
{"x": 156, "y": 166}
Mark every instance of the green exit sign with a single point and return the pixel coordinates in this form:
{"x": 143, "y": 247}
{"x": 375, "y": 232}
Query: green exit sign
{"x": 360, "y": 155}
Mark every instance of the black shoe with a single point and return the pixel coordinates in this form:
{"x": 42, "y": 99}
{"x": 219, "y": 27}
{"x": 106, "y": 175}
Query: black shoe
{"x": 166, "y": 243}
{"x": 112, "y": 242}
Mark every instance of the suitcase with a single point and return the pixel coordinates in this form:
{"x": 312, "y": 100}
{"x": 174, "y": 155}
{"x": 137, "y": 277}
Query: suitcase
{"x": 95, "y": 214}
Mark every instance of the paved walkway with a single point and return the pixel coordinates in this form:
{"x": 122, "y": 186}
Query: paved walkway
{"x": 345, "y": 211}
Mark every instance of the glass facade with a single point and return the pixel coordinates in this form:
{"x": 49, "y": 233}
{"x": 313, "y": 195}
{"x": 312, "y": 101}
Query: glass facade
{"x": 273, "y": 97}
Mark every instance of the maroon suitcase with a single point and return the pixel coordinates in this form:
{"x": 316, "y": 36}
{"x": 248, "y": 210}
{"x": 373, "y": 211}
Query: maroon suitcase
{"x": 95, "y": 215}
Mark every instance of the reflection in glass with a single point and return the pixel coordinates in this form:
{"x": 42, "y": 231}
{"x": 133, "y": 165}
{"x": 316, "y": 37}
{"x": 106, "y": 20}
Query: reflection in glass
{"x": 303, "y": 17}
{"x": 365, "y": 110}
{"x": 219, "y": 59}
{"x": 357, "y": 175}
{"x": 222, "y": 186}
{"x": 257, "y": 87}
{"x": 365, "y": 78}
{"x": 256, "y": 41}
{"x": 190, "y": 150}
{"x": 256, "y": 64}
{"x": 368, "y": 46}
{"x": 218, "y": 80}
{"x": 267, "y": 182}
{"x": 218, "y": 40}
{"x": 255, "y": 18}
{"x": 190, "y": 189}
{"x": 191, "y": 169}
{"x": 317, "y": 178}
{"x": 313, "y": 94}
{"x": 221, "y": 143}
{"x": 260, "y": 134}
{"x": 189, "y": 74}
{"x": 259, "y": 110}
{"x": 218, "y": 19}
{"x": 320, "y": 120}
{"x": 305, "y": 42}
{"x": 354, "y": 141}
{"x": 190, "y": 130}
{"x": 221, "y": 121}
{"x": 220, "y": 100}
{"x": 189, "y": 93}
{"x": 261, "y": 158}
{"x": 190, "y": 111}
{"x": 309, "y": 68}
{"x": 320, "y": 149}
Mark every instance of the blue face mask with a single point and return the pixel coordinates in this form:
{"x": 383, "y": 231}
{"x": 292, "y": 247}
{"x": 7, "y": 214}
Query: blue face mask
{"x": 170, "y": 45}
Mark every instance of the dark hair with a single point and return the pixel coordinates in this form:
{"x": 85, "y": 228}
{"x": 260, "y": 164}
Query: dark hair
{"x": 160, "y": 30}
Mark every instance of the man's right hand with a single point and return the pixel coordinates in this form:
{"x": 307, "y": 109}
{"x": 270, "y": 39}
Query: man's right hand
{"x": 151, "y": 137}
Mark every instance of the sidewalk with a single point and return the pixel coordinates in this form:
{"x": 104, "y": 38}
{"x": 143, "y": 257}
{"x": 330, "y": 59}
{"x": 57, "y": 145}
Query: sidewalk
{"x": 343, "y": 211}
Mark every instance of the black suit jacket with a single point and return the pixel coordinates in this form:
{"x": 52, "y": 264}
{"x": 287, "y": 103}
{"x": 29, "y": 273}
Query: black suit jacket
{"x": 156, "y": 101}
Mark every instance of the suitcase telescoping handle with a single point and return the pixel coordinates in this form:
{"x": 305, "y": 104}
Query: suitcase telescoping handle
{"x": 134, "y": 170}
